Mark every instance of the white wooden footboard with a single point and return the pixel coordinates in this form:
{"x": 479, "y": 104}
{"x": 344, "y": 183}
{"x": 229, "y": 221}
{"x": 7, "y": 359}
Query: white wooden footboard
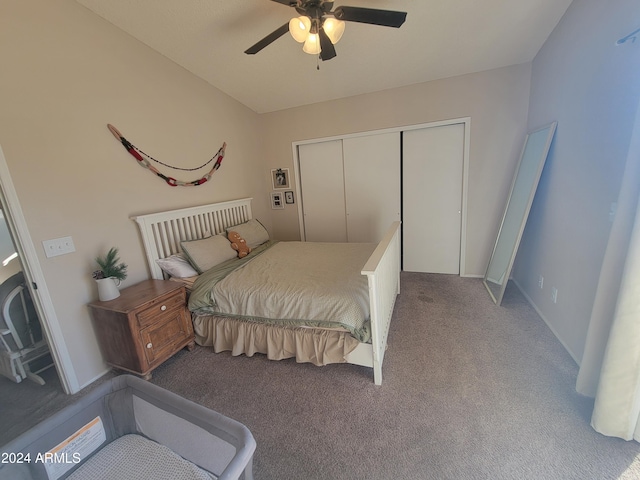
{"x": 383, "y": 274}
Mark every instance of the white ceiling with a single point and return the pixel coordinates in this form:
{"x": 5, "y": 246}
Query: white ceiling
{"x": 440, "y": 38}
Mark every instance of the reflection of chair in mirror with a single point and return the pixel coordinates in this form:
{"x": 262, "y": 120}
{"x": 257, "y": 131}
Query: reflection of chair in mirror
{"x": 24, "y": 352}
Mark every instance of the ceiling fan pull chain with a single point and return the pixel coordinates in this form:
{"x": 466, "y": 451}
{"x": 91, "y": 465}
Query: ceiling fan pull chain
{"x": 138, "y": 155}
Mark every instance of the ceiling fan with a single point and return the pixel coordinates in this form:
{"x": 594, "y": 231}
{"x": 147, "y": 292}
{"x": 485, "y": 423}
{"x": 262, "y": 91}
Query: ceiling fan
{"x": 320, "y": 29}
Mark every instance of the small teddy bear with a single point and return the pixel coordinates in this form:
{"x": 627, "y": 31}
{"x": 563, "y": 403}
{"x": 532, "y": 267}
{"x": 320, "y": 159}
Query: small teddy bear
{"x": 238, "y": 243}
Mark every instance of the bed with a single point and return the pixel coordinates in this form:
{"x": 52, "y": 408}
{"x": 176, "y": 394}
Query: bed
{"x": 369, "y": 274}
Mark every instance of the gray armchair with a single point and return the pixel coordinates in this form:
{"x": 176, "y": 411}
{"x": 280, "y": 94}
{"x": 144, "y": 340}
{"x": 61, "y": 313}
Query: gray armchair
{"x": 130, "y": 428}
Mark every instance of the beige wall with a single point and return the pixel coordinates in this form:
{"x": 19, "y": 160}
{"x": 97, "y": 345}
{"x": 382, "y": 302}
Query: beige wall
{"x": 65, "y": 74}
{"x": 592, "y": 88}
{"x": 497, "y": 103}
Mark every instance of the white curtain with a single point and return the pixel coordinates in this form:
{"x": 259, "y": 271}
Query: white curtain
{"x": 617, "y": 407}
{"x": 610, "y": 367}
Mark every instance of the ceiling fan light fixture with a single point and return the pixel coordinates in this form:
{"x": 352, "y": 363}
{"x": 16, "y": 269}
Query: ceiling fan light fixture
{"x": 319, "y": 27}
{"x": 312, "y": 44}
{"x": 334, "y": 29}
{"x": 299, "y": 28}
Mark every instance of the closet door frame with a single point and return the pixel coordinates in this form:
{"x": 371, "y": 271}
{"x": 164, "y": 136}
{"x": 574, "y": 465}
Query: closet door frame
{"x": 465, "y": 171}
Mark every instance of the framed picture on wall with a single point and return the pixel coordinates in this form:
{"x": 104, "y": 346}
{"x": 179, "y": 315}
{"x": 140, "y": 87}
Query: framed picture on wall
{"x": 277, "y": 202}
{"x": 280, "y": 178}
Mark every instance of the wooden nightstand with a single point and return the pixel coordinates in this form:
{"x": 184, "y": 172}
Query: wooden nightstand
{"x": 148, "y": 323}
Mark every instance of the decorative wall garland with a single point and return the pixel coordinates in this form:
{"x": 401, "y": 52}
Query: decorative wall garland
{"x": 143, "y": 160}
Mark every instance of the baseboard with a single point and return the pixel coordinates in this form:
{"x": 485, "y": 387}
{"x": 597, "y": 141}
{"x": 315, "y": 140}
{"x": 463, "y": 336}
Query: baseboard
{"x": 540, "y": 314}
{"x": 97, "y": 377}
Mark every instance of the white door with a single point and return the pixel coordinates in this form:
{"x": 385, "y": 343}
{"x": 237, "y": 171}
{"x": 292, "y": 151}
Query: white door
{"x": 322, "y": 191}
{"x": 33, "y": 271}
{"x": 372, "y": 185}
{"x": 432, "y": 166}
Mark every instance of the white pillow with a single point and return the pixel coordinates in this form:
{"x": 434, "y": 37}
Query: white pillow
{"x": 177, "y": 266}
{"x": 208, "y": 252}
{"x": 252, "y": 231}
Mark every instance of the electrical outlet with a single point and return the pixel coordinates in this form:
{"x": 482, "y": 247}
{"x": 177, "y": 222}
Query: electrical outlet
{"x": 613, "y": 208}
{"x": 554, "y": 294}
{"x": 540, "y": 281}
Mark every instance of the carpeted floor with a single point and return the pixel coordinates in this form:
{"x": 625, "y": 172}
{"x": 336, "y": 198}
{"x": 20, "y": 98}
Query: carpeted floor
{"x": 470, "y": 391}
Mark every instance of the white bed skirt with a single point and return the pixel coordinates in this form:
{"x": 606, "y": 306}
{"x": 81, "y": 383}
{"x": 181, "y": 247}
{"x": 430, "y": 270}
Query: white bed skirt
{"x": 306, "y": 345}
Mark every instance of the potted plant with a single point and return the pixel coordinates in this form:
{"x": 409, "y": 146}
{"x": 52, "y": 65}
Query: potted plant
{"x": 111, "y": 273}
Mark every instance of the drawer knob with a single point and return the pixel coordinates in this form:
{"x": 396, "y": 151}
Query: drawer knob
{"x": 149, "y": 345}
{"x": 163, "y": 308}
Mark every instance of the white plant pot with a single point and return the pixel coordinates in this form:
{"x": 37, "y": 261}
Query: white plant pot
{"x": 108, "y": 288}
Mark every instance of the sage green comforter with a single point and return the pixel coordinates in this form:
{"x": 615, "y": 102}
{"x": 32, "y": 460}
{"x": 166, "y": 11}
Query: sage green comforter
{"x": 291, "y": 283}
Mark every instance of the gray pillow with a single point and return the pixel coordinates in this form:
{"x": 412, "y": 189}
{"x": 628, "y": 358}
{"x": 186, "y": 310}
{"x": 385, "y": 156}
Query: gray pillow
{"x": 208, "y": 252}
{"x": 252, "y": 231}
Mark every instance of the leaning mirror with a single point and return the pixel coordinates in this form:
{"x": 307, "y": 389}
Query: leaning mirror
{"x": 523, "y": 188}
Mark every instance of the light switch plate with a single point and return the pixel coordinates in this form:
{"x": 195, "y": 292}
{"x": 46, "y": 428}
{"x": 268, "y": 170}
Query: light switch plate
{"x": 58, "y": 246}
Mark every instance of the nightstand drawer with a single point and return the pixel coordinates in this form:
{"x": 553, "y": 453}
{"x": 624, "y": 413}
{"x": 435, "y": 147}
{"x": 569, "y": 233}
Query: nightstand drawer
{"x": 160, "y": 340}
{"x": 160, "y": 308}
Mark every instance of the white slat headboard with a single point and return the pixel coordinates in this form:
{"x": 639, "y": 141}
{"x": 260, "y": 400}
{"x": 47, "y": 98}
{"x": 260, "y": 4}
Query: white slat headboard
{"x": 162, "y": 232}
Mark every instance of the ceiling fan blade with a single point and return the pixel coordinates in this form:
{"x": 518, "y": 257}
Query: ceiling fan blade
{"x": 386, "y": 18}
{"x": 327, "y": 50}
{"x": 272, "y": 37}
{"x": 288, "y": 3}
